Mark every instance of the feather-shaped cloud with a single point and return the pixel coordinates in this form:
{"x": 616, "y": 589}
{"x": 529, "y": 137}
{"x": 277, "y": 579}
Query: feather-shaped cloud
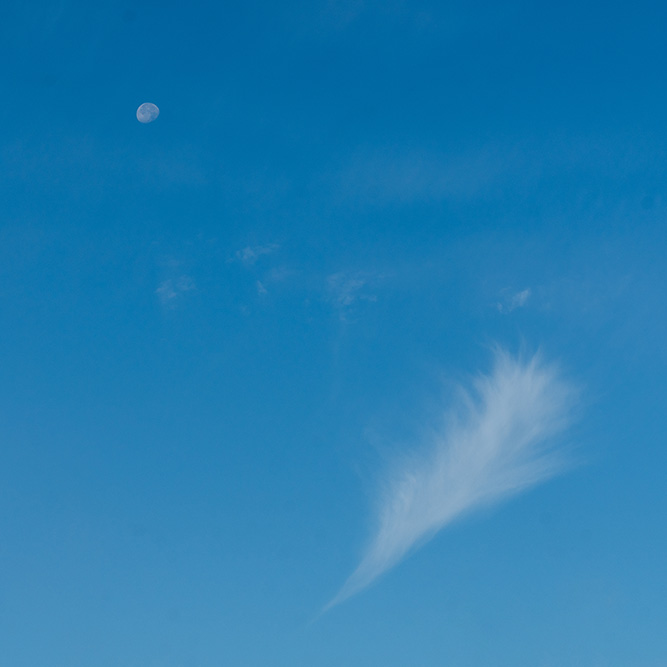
{"x": 497, "y": 441}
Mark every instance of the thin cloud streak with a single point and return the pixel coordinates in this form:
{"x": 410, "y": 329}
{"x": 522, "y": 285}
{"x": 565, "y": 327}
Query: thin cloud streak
{"x": 250, "y": 254}
{"x": 514, "y": 301}
{"x": 171, "y": 290}
{"x": 495, "y": 443}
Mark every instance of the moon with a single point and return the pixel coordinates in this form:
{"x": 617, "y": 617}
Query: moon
{"x": 147, "y": 112}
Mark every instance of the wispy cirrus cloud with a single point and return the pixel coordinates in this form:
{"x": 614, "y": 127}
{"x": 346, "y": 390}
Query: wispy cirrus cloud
{"x": 344, "y": 288}
{"x": 513, "y": 300}
{"x": 496, "y": 442}
{"x": 170, "y": 291}
{"x": 250, "y": 254}
{"x": 395, "y": 174}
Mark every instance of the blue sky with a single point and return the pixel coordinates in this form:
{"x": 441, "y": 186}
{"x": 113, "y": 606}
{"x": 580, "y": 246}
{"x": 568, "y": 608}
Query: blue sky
{"x": 370, "y": 320}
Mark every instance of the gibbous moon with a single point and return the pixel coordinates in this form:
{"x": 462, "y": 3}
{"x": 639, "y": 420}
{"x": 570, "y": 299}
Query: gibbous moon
{"x": 147, "y": 112}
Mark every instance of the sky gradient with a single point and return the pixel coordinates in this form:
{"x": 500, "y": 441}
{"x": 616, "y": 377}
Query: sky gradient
{"x": 222, "y": 333}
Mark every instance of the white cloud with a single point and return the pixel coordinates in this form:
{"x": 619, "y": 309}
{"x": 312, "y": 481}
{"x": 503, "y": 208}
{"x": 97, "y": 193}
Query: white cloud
{"x": 513, "y": 301}
{"x": 260, "y": 288}
{"x": 170, "y": 290}
{"x": 496, "y": 442}
{"x": 250, "y": 254}
{"x": 344, "y": 289}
